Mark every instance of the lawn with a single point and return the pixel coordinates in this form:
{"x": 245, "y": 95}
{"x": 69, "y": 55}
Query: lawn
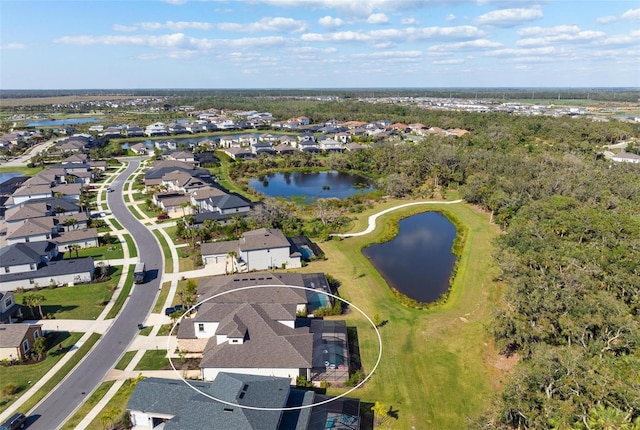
{"x": 82, "y": 302}
{"x": 105, "y": 252}
{"x": 125, "y": 360}
{"x": 87, "y": 406}
{"x": 153, "y": 360}
{"x": 124, "y": 293}
{"x": 24, "y": 375}
{"x": 168, "y": 259}
{"x": 162, "y": 297}
{"x": 437, "y": 365}
{"x": 133, "y": 251}
{"x": 116, "y": 224}
{"x": 115, "y": 407}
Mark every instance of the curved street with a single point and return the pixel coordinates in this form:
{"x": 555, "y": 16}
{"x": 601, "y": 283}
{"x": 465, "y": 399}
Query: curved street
{"x": 58, "y": 406}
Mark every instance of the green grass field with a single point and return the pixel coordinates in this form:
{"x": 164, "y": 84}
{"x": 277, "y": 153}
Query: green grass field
{"x": 162, "y": 297}
{"x": 125, "y": 360}
{"x": 168, "y": 259}
{"x": 105, "y": 252}
{"x": 153, "y": 360}
{"x": 437, "y": 365}
{"x": 86, "y": 407}
{"x": 24, "y": 375}
{"x": 122, "y": 296}
{"x": 133, "y": 251}
{"x": 83, "y": 302}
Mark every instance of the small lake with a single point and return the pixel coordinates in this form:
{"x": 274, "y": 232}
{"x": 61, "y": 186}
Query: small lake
{"x": 417, "y": 262}
{"x": 55, "y": 122}
{"x": 311, "y": 185}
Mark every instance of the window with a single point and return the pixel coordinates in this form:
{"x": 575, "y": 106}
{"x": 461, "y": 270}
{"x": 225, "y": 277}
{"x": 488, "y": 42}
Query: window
{"x": 200, "y": 327}
{"x": 25, "y": 346}
{"x": 36, "y": 334}
{"x": 31, "y": 281}
{"x": 234, "y": 340}
{"x": 8, "y": 302}
{"x": 26, "y": 239}
{"x": 7, "y": 270}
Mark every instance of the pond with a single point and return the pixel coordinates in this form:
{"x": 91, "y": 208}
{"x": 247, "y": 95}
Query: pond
{"x": 311, "y": 185}
{"x": 418, "y": 261}
{"x": 67, "y": 121}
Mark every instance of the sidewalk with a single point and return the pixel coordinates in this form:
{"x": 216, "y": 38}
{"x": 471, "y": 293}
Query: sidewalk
{"x": 141, "y": 344}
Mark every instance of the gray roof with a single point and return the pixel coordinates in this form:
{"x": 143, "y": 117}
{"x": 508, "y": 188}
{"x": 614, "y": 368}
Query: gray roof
{"x": 31, "y": 227}
{"x": 11, "y": 335}
{"x": 26, "y": 210}
{"x": 218, "y": 248}
{"x": 25, "y": 253}
{"x": 52, "y": 269}
{"x": 192, "y": 410}
{"x": 269, "y": 344}
{"x": 77, "y": 235}
{"x": 264, "y": 238}
{"x": 229, "y": 201}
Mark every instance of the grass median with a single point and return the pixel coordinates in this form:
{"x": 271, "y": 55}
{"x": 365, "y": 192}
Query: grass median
{"x": 124, "y": 293}
{"x": 87, "y": 406}
{"x": 133, "y": 251}
{"x": 168, "y": 259}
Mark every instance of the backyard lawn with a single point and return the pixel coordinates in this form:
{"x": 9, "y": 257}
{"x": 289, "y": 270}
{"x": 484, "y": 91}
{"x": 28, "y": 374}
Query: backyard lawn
{"x": 437, "y": 367}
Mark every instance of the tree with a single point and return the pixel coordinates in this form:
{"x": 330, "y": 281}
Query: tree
{"x": 40, "y": 347}
{"x": 34, "y": 300}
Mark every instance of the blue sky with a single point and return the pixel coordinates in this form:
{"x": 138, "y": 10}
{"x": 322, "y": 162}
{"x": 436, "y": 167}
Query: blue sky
{"x": 318, "y": 43}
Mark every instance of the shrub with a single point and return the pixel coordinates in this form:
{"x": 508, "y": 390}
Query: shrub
{"x": 10, "y": 389}
{"x": 355, "y": 378}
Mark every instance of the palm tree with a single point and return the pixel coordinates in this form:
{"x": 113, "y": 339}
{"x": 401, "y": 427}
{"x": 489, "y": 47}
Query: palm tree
{"x": 32, "y": 301}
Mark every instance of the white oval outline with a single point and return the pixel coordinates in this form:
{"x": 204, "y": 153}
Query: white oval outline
{"x": 293, "y": 408}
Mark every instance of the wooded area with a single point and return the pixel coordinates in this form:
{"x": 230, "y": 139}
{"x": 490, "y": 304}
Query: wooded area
{"x": 569, "y": 255}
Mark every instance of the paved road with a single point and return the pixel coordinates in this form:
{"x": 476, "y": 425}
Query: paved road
{"x": 23, "y": 160}
{"x": 62, "y": 402}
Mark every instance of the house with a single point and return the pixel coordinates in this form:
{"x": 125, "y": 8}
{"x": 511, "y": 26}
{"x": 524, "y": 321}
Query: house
{"x": 260, "y": 147}
{"x": 156, "y": 129}
{"x": 27, "y": 192}
{"x": 68, "y": 191}
{"x": 247, "y": 140}
{"x": 251, "y": 403}
{"x": 16, "y": 340}
{"x": 27, "y": 265}
{"x": 139, "y": 149}
{"x": 24, "y": 211}
{"x": 9, "y": 309}
{"x": 174, "y": 204}
{"x": 71, "y": 222}
{"x": 84, "y": 238}
{"x": 75, "y": 158}
{"x": 182, "y": 181}
{"x": 330, "y": 145}
{"x": 283, "y": 149}
{"x": 133, "y": 131}
{"x": 248, "y": 323}
{"x": 31, "y": 230}
{"x": 184, "y": 156}
{"x": 176, "y": 128}
{"x": 261, "y": 249}
{"x": 238, "y": 153}
{"x": 229, "y": 142}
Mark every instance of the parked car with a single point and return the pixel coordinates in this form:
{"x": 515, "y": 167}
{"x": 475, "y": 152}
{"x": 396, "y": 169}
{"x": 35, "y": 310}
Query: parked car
{"x": 177, "y": 308}
{"x": 17, "y": 421}
{"x": 169, "y": 311}
{"x": 163, "y": 216}
{"x": 109, "y": 190}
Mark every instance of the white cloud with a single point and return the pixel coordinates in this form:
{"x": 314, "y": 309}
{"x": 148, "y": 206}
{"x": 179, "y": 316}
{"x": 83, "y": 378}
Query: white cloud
{"x": 12, "y": 46}
{"x": 378, "y": 18}
{"x": 523, "y": 51}
{"x": 124, "y": 28}
{"x": 448, "y": 62}
{"x": 464, "y": 46}
{"x": 548, "y": 31}
{"x": 396, "y": 34}
{"x": 632, "y": 14}
{"x": 383, "y": 45}
{"x": 632, "y": 38}
{"x": 409, "y": 21}
{"x": 360, "y": 8}
{"x": 581, "y": 36}
{"x": 509, "y": 17}
{"x": 606, "y": 19}
{"x": 389, "y": 54}
{"x": 450, "y": 18}
{"x": 279, "y": 24}
{"x": 175, "y": 26}
{"x": 330, "y": 22}
{"x": 176, "y": 2}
